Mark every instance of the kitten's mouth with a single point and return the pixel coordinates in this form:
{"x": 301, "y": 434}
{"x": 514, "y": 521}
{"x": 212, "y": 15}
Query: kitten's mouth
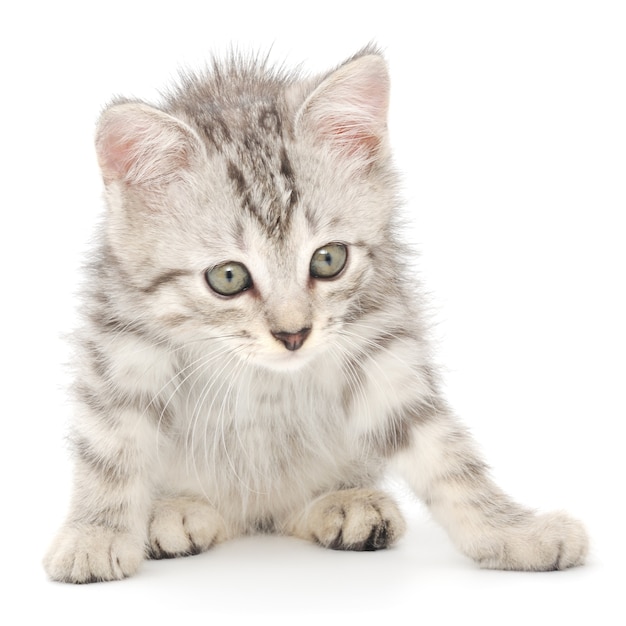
{"x": 288, "y": 359}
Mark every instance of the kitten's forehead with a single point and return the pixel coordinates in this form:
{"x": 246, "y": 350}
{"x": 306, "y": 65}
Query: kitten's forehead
{"x": 263, "y": 182}
{"x": 250, "y": 145}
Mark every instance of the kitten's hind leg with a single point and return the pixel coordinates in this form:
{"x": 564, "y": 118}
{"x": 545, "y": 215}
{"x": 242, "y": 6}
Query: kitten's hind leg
{"x": 351, "y": 519}
{"x": 183, "y": 526}
{"x": 444, "y": 470}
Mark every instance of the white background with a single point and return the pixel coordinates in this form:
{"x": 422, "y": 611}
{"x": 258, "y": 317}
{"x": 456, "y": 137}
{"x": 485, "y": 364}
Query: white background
{"x": 508, "y": 121}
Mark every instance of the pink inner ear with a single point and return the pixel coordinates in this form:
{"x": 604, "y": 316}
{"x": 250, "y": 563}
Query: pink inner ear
{"x": 349, "y": 109}
{"x": 116, "y": 157}
{"x": 140, "y": 145}
{"x": 352, "y": 138}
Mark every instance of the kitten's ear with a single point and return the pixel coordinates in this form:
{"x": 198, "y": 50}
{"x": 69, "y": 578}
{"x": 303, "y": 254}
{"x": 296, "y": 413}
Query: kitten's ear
{"x": 348, "y": 110}
{"x": 139, "y": 144}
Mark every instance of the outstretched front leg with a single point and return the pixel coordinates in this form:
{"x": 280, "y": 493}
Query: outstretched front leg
{"x": 443, "y": 468}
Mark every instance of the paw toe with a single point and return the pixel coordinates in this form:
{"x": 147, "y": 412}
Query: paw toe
{"x": 571, "y": 539}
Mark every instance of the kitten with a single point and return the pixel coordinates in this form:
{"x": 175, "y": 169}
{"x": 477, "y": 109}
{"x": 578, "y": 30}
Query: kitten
{"x": 252, "y": 356}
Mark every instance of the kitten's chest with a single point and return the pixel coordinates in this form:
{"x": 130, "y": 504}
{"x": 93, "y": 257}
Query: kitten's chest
{"x": 261, "y": 422}
{"x": 267, "y": 443}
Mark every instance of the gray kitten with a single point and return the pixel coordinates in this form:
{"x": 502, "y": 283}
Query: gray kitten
{"x": 253, "y": 356}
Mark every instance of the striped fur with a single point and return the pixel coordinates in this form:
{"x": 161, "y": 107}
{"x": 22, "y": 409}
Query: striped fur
{"x": 195, "y": 424}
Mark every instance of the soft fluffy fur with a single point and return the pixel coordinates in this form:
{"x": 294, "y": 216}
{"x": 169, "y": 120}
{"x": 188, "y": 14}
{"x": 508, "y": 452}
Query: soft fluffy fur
{"x": 196, "y": 420}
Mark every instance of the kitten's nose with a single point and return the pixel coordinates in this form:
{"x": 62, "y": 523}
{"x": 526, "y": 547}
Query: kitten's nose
{"x": 293, "y": 341}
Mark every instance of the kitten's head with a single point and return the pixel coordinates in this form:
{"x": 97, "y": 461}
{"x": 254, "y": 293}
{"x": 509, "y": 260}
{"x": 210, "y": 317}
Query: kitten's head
{"x": 253, "y": 210}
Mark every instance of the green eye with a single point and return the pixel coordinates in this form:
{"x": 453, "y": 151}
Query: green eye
{"x": 229, "y": 279}
{"x": 328, "y": 261}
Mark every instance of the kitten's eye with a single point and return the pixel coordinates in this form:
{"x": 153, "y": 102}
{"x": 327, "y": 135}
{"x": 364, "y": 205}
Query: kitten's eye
{"x": 229, "y": 279}
{"x": 328, "y": 261}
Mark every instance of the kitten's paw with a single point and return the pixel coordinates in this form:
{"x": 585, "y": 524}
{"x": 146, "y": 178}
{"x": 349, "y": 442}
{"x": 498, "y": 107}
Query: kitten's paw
{"x": 184, "y": 526}
{"x": 354, "y": 519}
{"x": 86, "y": 554}
{"x": 552, "y": 541}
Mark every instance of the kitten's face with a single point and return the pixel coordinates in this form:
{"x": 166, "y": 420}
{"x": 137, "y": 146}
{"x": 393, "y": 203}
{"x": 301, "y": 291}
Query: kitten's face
{"x": 268, "y": 241}
{"x": 274, "y": 299}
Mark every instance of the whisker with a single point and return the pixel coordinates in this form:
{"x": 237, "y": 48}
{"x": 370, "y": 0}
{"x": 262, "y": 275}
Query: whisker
{"x": 221, "y": 422}
{"x": 204, "y": 361}
{"x": 202, "y": 396}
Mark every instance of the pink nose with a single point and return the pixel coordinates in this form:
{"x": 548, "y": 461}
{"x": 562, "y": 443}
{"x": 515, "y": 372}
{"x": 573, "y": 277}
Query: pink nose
{"x": 293, "y": 341}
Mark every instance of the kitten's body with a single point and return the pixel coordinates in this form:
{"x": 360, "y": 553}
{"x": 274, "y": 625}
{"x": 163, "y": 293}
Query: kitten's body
{"x": 278, "y": 406}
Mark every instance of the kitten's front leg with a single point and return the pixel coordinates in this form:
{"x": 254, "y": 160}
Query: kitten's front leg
{"x": 444, "y": 469}
{"x": 104, "y": 536}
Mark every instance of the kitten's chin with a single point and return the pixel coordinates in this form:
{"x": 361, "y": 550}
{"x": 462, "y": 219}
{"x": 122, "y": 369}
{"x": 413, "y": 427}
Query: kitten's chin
{"x": 285, "y": 361}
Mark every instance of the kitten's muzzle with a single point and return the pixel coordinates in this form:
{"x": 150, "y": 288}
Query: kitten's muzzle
{"x": 292, "y": 341}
